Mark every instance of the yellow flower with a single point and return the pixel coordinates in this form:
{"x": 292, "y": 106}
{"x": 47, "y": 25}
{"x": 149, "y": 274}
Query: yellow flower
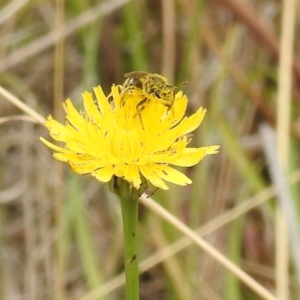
{"x": 112, "y": 139}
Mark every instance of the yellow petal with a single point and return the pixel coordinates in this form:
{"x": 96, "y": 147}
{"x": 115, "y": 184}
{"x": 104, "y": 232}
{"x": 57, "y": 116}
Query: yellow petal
{"x": 151, "y": 175}
{"x": 85, "y": 167}
{"x": 192, "y": 156}
{"x": 173, "y": 175}
{"x": 132, "y": 175}
{"x": 54, "y": 147}
{"x": 189, "y": 124}
{"x": 73, "y": 116}
{"x": 103, "y": 104}
{"x": 91, "y": 109}
{"x": 105, "y": 174}
{"x": 178, "y": 108}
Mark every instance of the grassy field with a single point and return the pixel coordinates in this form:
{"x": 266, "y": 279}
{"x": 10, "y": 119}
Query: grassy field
{"x": 61, "y": 233}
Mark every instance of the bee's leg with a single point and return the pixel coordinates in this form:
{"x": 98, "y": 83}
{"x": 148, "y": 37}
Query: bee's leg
{"x": 139, "y": 108}
{"x": 123, "y": 93}
{"x": 141, "y": 120}
{"x": 170, "y": 108}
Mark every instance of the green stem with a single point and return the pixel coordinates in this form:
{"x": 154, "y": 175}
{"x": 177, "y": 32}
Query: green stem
{"x": 129, "y": 208}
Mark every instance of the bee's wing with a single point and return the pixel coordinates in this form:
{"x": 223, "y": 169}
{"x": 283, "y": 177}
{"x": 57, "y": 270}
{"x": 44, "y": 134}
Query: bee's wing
{"x": 135, "y": 74}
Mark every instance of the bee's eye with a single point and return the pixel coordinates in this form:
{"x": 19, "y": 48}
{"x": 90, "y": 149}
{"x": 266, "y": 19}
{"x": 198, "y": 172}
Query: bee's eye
{"x": 157, "y": 94}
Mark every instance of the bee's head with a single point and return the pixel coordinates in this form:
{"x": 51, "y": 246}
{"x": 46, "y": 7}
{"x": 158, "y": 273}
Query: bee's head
{"x": 165, "y": 93}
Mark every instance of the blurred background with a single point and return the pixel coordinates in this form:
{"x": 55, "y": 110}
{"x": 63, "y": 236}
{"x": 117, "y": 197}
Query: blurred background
{"x": 61, "y": 234}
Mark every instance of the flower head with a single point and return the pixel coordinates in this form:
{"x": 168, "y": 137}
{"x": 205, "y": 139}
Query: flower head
{"x": 125, "y": 136}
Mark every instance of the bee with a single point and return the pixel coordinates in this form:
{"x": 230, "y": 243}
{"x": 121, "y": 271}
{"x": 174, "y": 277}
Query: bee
{"x": 153, "y": 87}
